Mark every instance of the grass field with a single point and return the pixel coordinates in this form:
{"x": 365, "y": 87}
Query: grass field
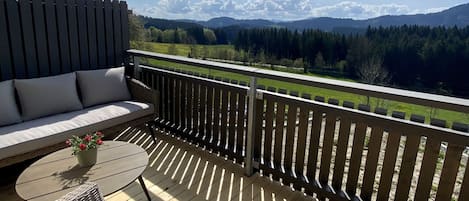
{"x": 183, "y": 50}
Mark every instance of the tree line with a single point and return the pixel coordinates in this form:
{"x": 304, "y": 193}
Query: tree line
{"x": 431, "y": 59}
{"x": 415, "y": 57}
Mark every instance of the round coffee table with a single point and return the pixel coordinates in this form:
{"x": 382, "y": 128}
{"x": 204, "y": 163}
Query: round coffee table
{"x": 118, "y": 165}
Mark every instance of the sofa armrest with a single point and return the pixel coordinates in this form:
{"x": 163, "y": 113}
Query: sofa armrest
{"x": 142, "y": 93}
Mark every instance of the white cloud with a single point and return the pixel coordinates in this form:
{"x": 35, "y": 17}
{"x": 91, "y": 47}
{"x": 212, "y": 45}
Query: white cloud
{"x": 271, "y": 9}
{"x": 350, "y": 9}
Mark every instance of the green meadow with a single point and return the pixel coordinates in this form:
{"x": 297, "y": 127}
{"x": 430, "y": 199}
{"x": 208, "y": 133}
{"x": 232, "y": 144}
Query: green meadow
{"x": 183, "y": 50}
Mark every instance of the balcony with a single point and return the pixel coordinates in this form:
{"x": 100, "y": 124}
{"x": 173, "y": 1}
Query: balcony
{"x": 227, "y": 134}
{"x": 321, "y": 148}
{"x": 221, "y": 139}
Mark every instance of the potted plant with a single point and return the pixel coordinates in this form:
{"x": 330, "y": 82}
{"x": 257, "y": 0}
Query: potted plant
{"x": 86, "y": 148}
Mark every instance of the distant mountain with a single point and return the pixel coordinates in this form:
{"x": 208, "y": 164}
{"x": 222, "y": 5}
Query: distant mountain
{"x": 164, "y": 24}
{"x": 226, "y": 21}
{"x": 456, "y": 16}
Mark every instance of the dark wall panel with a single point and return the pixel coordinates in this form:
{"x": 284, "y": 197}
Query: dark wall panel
{"x": 109, "y": 32}
{"x": 73, "y": 35}
{"x": 116, "y": 16}
{"x": 16, "y": 41}
{"x": 91, "y": 19}
{"x": 102, "y": 61}
{"x": 6, "y": 71}
{"x": 41, "y": 38}
{"x": 83, "y": 35}
{"x": 63, "y": 38}
{"x": 28, "y": 37}
{"x": 49, "y": 37}
{"x": 52, "y": 38}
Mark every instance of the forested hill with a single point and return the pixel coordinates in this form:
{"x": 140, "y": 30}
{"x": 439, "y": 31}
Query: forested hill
{"x": 164, "y": 24}
{"x": 456, "y": 16}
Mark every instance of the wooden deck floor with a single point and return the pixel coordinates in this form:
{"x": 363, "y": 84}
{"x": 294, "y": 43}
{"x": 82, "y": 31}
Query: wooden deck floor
{"x": 181, "y": 171}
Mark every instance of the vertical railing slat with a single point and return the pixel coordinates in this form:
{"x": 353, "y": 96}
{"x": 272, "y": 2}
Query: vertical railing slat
{"x": 172, "y": 98}
{"x": 278, "y": 143}
{"x": 427, "y": 170}
{"x": 177, "y": 103}
{"x": 202, "y": 108}
{"x": 392, "y": 147}
{"x": 183, "y": 106}
{"x": 341, "y": 153}
{"x": 232, "y": 120}
{"x": 326, "y": 153}
{"x": 190, "y": 105}
{"x": 290, "y": 137}
{"x": 240, "y": 125}
{"x": 356, "y": 158}
{"x": 314, "y": 146}
{"x": 269, "y": 128}
{"x": 464, "y": 193}
{"x": 449, "y": 172}
{"x": 301, "y": 144}
{"x": 216, "y": 116}
{"x": 224, "y": 118}
{"x": 407, "y": 167}
{"x": 209, "y": 124}
{"x": 195, "y": 110}
{"x": 374, "y": 147}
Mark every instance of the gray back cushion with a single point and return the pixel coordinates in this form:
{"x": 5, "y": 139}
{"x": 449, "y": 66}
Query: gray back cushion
{"x": 48, "y": 95}
{"x": 103, "y": 86}
{"x": 9, "y": 113}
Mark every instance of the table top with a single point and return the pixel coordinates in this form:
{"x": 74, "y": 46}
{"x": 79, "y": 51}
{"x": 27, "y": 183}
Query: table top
{"x": 118, "y": 164}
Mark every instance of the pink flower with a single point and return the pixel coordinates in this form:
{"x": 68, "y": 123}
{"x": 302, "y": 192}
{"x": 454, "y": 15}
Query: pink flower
{"x": 87, "y": 138}
{"x": 99, "y": 142}
{"x": 82, "y": 146}
{"x": 99, "y": 133}
{"x": 68, "y": 142}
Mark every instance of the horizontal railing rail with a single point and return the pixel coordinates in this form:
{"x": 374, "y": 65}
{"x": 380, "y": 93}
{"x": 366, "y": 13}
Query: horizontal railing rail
{"x": 418, "y": 98}
{"x": 324, "y": 149}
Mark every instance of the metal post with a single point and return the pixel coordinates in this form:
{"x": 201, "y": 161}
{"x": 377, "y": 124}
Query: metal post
{"x": 137, "y": 68}
{"x": 251, "y": 125}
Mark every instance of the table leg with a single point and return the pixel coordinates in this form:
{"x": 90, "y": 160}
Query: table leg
{"x": 140, "y": 179}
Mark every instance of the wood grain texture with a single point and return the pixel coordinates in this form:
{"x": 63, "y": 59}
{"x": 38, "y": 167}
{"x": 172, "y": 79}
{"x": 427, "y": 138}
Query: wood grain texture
{"x": 118, "y": 164}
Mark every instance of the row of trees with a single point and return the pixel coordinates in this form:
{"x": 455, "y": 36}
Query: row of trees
{"x": 417, "y": 57}
{"x": 193, "y": 35}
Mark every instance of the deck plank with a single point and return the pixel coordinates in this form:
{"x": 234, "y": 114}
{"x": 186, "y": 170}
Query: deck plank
{"x": 178, "y": 170}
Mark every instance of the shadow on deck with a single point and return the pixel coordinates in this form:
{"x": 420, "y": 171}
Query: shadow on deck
{"x": 179, "y": 170}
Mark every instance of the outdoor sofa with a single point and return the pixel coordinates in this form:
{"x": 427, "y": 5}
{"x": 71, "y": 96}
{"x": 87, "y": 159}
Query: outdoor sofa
{"x": 38, "y": 115}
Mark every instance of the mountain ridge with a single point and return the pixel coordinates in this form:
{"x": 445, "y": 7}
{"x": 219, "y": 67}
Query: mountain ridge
{"x": 455, "y": 16}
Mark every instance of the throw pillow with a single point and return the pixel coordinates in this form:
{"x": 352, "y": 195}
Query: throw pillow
{"x": 48, "y": 95}
{"x": 103, "y": 86}
{"x": 8, "y": 108}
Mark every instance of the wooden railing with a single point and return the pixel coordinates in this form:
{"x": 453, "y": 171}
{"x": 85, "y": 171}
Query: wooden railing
{"x": 326, "y": 150}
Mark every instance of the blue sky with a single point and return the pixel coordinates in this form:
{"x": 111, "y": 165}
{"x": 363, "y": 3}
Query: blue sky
{"x": 285, "y": 9}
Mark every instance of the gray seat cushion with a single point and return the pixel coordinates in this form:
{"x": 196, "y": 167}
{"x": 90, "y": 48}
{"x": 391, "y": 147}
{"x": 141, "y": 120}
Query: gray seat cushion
{"x": 8, "y": 108}
{"x": 47, "y": 131}
{"x": 103, "y": 86}
{"x": 45, "y": 96}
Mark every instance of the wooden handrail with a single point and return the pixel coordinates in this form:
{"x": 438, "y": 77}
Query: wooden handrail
{"x": 418, "y": 98}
